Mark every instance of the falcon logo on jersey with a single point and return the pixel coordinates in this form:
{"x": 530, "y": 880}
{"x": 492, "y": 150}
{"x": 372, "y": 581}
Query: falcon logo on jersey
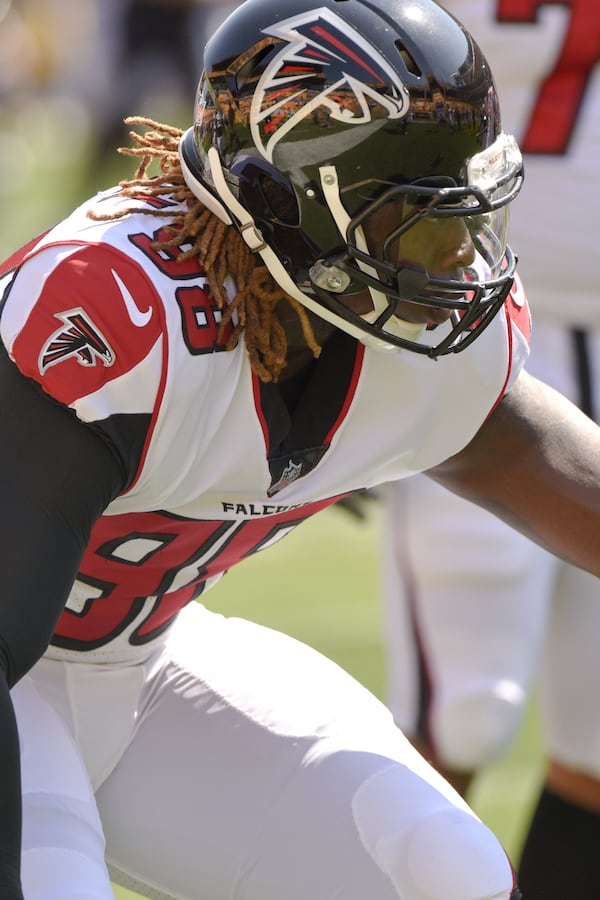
{"x": 320, "y": 47}
{"x": 78, "y": 337}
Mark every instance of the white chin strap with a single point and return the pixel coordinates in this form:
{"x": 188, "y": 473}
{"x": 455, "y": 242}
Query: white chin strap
{"x": 255, "y": 241}
{"x": 331, "y": 191}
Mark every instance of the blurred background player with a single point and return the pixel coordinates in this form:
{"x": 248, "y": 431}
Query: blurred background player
{"x": 473, "y": 610}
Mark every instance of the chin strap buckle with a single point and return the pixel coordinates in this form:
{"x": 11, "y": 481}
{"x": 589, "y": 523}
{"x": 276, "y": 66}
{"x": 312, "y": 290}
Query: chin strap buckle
{"x": 252, "y": 237}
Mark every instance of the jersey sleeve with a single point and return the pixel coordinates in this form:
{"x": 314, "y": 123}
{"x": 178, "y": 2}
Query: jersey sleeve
{"x": 86, "y": 324}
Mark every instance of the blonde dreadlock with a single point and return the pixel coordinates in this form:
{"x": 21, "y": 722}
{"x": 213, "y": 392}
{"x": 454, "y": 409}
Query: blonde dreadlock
{"x": 219, "y": 248}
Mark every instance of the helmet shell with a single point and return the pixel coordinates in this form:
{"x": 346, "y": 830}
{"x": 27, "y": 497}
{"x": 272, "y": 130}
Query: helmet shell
{"x": 393, "y": 92}
{"x": 387, "y": 92}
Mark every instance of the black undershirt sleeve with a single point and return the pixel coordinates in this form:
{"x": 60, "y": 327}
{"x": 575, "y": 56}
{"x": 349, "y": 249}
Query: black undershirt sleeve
{"x": 58, "y": 476}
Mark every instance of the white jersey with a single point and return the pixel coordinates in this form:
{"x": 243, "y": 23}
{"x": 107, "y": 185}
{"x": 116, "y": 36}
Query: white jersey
{"x": 128, "y": 339}
{"x": 545, "y": 57}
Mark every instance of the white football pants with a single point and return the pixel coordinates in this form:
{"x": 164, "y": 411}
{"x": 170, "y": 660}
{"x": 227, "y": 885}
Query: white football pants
{"x": 235, "y": 763}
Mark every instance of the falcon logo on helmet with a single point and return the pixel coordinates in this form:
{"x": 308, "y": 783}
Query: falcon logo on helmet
{"x": 288, "y": 90}
{"x": 78, "y": 338}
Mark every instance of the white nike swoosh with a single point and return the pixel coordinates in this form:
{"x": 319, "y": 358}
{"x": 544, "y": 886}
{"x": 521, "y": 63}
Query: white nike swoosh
{"x": 139, "y": 318}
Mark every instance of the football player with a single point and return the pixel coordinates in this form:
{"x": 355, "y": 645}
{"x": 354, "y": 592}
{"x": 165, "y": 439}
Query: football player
{"x": 314, "y": 294}
{"x": 471, "y": 622}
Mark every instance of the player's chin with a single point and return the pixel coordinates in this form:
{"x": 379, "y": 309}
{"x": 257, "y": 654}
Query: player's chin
{"x": 422, "y": 314}
{"x": 440, "y": 314}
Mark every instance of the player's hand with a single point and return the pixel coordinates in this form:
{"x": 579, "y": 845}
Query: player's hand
{"x": 357, "y": 503}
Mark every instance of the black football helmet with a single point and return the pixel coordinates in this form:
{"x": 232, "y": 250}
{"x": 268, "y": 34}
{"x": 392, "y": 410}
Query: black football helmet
{"x": 309, "y": 118}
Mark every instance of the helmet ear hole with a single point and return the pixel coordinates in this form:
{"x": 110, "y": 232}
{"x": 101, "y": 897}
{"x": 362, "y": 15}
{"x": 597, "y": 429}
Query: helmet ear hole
{"x": 408, "y": 60}
{"x": 265, "y": 192}
{"x": 280, "y": 200}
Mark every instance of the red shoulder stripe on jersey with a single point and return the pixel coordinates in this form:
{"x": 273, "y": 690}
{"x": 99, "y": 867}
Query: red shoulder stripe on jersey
{"x": 16, "y": 258}
{"x": 517, "y": 309}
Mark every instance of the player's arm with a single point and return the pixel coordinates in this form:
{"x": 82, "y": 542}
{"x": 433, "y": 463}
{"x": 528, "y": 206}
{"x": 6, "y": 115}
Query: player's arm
{"x": 57, "y": 478}
{"x": 536, "y": 464}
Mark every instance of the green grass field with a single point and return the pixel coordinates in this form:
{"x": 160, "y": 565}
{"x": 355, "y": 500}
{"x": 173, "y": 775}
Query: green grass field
{"x": 320, "y": 584}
